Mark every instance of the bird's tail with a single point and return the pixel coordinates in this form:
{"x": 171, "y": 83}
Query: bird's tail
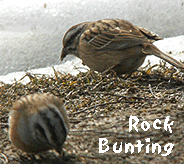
{"x": 150, "y": 49}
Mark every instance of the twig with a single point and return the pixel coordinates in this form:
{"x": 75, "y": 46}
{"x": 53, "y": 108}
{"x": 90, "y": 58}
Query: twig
{"x": 5, "y": 158}
{"x": 127, "y": 97}
{"x": 97, "y": 85}
{"x": 152, "y": 92}
{"x": 55, "y": 73}
{"x": 100, "y": 132}
{"x": 5, "y": 124}
{"x": 94, "y": 106}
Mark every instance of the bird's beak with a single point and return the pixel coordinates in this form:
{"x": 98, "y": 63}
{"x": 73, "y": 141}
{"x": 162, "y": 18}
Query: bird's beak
{"x": 63, "y": 54}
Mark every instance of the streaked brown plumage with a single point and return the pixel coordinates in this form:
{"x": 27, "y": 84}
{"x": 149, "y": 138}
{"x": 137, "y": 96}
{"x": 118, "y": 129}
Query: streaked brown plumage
{"x": 38, "y": 122}
{"x": 112, "y": 43}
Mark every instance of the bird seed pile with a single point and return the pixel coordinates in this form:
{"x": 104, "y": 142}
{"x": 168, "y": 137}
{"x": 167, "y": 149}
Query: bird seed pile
{"x": 100, "y": 106}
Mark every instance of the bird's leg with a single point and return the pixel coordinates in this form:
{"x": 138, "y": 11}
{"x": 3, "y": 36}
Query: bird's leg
{"x": 108, "y": 69}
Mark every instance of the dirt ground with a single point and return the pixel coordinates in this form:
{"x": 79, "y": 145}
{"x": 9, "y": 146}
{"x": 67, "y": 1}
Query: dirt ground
{"x": 100, "y": 106}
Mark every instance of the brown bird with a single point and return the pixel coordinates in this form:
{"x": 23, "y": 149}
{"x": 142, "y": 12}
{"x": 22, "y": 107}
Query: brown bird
{"x": 38, "y": 122}
{"x": 112, "y": 44}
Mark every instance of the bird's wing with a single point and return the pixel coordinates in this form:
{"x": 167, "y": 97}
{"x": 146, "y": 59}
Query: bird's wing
{"x": 103, "y": 37}
{"x": 149, "y": 34}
